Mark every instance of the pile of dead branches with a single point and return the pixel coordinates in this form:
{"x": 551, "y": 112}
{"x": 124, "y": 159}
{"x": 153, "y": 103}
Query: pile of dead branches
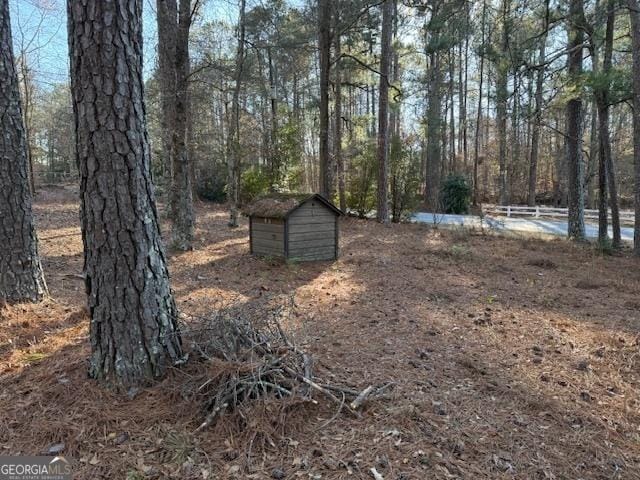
{"x": 252, "y": 357}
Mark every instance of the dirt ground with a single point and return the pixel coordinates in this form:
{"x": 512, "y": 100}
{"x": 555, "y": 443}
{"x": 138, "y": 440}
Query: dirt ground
{"x": 511, "y": 359}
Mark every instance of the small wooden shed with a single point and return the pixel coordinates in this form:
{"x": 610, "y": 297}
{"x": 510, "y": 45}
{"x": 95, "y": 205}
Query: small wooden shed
{"x": 294, "y": 226}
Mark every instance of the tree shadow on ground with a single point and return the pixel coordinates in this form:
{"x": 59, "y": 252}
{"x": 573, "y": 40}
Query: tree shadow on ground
{"x": 500, "y": 372}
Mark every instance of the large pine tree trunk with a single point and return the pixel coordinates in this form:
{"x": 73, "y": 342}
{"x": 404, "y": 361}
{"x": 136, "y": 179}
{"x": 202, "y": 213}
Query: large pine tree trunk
{"x": 575, "y": 175}
{"x": 337, "y": 144}
{"x": 634, "y": 13}
{"x": 383, "y": 112}
{"x": 434, "y": 126}
{"x": 21, "y": 277}
{"x": 233, "y": 140}
{"x": 324, "y": 45}
{"x": 134, "y": 331}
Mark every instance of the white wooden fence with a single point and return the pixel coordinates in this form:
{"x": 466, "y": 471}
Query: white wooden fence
{"x": 626, "y": 216}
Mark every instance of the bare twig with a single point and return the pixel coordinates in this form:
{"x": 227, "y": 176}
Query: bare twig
{"x": 253, "y": 358}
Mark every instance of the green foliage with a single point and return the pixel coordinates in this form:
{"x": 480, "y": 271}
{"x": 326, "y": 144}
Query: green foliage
{"x": 455, "y": 194}
{"x": 361, "y": 188}
{"x": 404, "y": 180}
{"x": 460, "y": 251}
{"x": 253, "y": 183}
{"x": 212, "y": 188}
{"x": 289, "y": 152}
{"x": 210, "y": 182}
{"x": 617, "y": 84}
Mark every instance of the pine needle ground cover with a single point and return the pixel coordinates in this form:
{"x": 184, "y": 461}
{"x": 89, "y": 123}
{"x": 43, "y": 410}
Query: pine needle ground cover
{"x": 508, "y": 358}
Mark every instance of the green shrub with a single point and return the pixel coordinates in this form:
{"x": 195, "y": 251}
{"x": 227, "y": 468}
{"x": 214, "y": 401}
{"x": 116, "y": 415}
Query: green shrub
{"x": 212, "y": 189}
{"x": 289, "y": 152}
{"x": 253, "y": 183}
{"x": 404, "y": 180}
{"x": 361, "y": 187}
{"x": 455, "y": 194}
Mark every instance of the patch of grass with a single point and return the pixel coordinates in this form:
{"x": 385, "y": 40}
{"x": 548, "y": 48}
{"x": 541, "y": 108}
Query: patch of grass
{"x": 179, "y": 447}
{"x": 460, "y": 251}
{"x": 33, "y": 357}
{"x": 134, "y": 475}
{"x": 293, "y": 264}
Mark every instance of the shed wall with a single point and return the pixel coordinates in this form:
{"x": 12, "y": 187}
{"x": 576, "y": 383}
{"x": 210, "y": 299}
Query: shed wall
{"x": 312, "y": 232}
{"x": 267, "y": 236}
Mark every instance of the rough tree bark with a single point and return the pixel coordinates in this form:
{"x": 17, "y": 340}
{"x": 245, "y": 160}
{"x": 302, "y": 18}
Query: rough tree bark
{"x": 324, "y": 45}
{"x": 383, "y": 113}
{"x": 634, "y": 13}
{"x": 21, "y": 277}
{"x": 434, "y": 119}
{"x": 337, "y": 144}
{"x": 233, "y": 140}
{"x": 573, "y": 140}
{"x": 603, "y": 220}
{"x": 133, "y": 329}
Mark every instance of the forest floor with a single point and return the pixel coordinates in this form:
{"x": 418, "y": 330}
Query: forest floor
{"x": 511, "y": 359}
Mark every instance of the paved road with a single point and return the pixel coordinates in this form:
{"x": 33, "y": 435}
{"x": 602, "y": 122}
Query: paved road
{"x": 515, "y": 225}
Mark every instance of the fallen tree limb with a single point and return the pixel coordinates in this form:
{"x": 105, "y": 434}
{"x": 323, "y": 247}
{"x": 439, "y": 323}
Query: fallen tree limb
{"x": 252, "y": 357}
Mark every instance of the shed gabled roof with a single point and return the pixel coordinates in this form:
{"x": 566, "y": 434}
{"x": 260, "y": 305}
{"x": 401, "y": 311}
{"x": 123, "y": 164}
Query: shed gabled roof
{"x": 281, "y": 205}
